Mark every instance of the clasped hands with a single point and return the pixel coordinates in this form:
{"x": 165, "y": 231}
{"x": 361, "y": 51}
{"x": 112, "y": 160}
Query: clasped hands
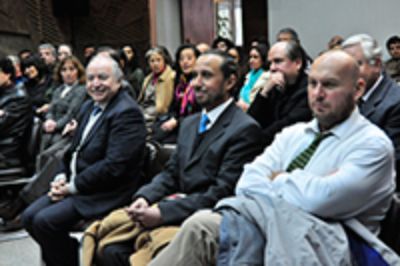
{"x": 58, "y": 189}
{"x": 147, "y": 216}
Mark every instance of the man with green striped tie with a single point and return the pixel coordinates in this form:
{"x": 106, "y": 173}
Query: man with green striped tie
{"x": 305, "y": 198}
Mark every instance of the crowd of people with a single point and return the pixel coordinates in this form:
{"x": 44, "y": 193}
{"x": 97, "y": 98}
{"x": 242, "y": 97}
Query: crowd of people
{"x": 273, "y": 151}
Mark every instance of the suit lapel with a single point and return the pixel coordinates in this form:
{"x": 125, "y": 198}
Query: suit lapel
{"x": 81, "y": 127}
{"x": 215, "y": 132}
{"x": 93, "y": 129}
{"x": 99, "y": 121}
{"x": 369, "y": 107}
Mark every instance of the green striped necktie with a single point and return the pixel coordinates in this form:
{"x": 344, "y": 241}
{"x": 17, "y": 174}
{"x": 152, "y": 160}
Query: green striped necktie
{"x": 302, "y": 159}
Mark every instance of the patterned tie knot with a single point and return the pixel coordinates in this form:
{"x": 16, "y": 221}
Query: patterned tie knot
{"x": 203, "y": 123}
{"x": 302, "y": 159}
{"x": 96, "y": 110}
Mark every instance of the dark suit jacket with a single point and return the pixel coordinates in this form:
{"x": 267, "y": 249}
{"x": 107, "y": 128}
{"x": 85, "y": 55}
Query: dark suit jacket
{"x": 383, "y": 109}
{"x": 211, "y": 171}
{"x": 280, "y": 110}
{"x": 110, "y": 158}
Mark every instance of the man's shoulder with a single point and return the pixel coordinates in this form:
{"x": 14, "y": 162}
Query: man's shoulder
{"x": 123, "y": 102}
{"x": 391, "y": 89}
{"x": 15, "y": 93}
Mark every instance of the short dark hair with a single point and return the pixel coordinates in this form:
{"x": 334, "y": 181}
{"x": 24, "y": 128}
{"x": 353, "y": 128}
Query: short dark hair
{"x": 219, "y": 39}
{"x": 228, "y": 66}
{"x": 37, "y": 62}
{"x": 290, "y": 31}
{"x": 178, "y": 55}
{"x": 294, "y": 52}
{"x": 392, "y": 40}
{"x": 7, "y": 67}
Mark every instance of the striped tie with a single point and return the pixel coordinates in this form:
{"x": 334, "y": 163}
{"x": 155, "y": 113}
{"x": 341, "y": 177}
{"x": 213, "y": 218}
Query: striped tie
{"x": 302, "y": 159}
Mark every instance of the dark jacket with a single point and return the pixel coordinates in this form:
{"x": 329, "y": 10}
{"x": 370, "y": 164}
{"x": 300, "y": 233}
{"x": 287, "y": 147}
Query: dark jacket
{"x": 209, "y": 172}
{"x": 110, "y": 158}
{"x": 383, "y": 109}
{"x": 62, "y": 110}
{"x": 281, "y": 109}
{"x": 15, "y": 125}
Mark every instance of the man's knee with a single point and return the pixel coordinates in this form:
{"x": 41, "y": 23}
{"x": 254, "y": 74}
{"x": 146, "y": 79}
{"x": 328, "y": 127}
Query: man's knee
{"x": 27, "y": 218}
{"x": 202, "y": 222}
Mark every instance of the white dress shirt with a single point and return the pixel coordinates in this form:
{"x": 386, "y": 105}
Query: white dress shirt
{"x": 216, "y": 112}
{"x": 350, "y": 175}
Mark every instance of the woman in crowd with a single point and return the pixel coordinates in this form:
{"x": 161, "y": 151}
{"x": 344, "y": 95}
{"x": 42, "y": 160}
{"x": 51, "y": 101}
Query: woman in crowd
{"x": 222, "y": 44}
{"x": 256, "y": 77}
{"x": 34, "y": 69}
{"x": 158, "y": 87}
{"x": 236, "y": 53}
{"x": 184, "y": 102}
{"x": 65, "y": 103}
{"x": 133, "y": 73}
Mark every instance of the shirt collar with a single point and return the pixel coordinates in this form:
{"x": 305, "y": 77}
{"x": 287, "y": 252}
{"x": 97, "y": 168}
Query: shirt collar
{"x": 216, "y": 112}
{"x": 368, "y": 94}
{"x": 339, "y": 130}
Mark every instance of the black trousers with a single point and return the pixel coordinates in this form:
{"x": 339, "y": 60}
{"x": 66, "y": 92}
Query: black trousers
{"x": 115, "y": 254}
{"x": 49, "y": 224}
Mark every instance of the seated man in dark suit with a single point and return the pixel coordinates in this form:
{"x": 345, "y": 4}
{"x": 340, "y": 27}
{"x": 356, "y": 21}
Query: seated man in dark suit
{"x": 15, "y": 117}
{"x": 381, "y": 100}
{"x": 100, "y": 171}
{"x": 212, "y": 148}
{"x": 283, "y": 100}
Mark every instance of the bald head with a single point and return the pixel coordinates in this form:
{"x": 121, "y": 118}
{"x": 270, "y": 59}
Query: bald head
{"x": 334, "y": 88}
{"x": 339, "y": 62}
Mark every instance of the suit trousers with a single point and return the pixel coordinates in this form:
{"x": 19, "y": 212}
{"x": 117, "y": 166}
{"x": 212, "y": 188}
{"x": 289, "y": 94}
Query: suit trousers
{"x": 49, "y": 223}
{"x": 195, "y": 244}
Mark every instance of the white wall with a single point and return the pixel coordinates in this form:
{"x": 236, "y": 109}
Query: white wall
{"x": 168, "y": 24}
{"x": 316, "y": 21}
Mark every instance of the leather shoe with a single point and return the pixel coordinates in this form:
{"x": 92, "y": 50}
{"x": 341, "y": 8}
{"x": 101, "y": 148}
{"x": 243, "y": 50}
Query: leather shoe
{"x": 10, "y": 210}
{"x": 11, "y": 225}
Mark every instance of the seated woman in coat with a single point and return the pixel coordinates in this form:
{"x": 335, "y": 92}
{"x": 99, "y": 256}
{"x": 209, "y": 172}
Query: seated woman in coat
{"x": 184, "y": 102}
{"x": 158, "y": 87}
{"x": 65, "y": 103}
{"x": 36, "y": 85}
{"x": 256, "y": 77}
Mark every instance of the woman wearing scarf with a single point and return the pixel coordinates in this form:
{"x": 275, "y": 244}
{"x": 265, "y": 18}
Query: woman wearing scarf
{"x": 158, "y": 87}
{"x": 184, "y": 103}
{"x": 256, "y": 77}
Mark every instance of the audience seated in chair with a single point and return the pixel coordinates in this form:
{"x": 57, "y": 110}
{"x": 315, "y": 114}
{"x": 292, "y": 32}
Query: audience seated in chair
{"x": 381, "y": 100}
{"x": 16, "y": 118}
{"x": 203, "y": 169}
{"x": 100, "y": 171}
{"x": 283, "y": 99}
{"x": 166, "y": 127}
{"x": 316, "y": 195}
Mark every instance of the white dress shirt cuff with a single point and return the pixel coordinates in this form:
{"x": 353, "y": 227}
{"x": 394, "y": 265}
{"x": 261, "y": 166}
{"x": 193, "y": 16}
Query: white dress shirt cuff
{"x": 72, "y": 188}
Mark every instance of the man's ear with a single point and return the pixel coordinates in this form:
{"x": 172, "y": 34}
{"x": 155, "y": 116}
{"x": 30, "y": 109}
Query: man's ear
{"x": 360, "y": 88}
{"x": 231, "y": 82}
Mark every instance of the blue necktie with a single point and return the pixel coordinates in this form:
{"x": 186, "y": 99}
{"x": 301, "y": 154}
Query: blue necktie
{"x": 96, "y": 110}
{"x": 203, "y": 123}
